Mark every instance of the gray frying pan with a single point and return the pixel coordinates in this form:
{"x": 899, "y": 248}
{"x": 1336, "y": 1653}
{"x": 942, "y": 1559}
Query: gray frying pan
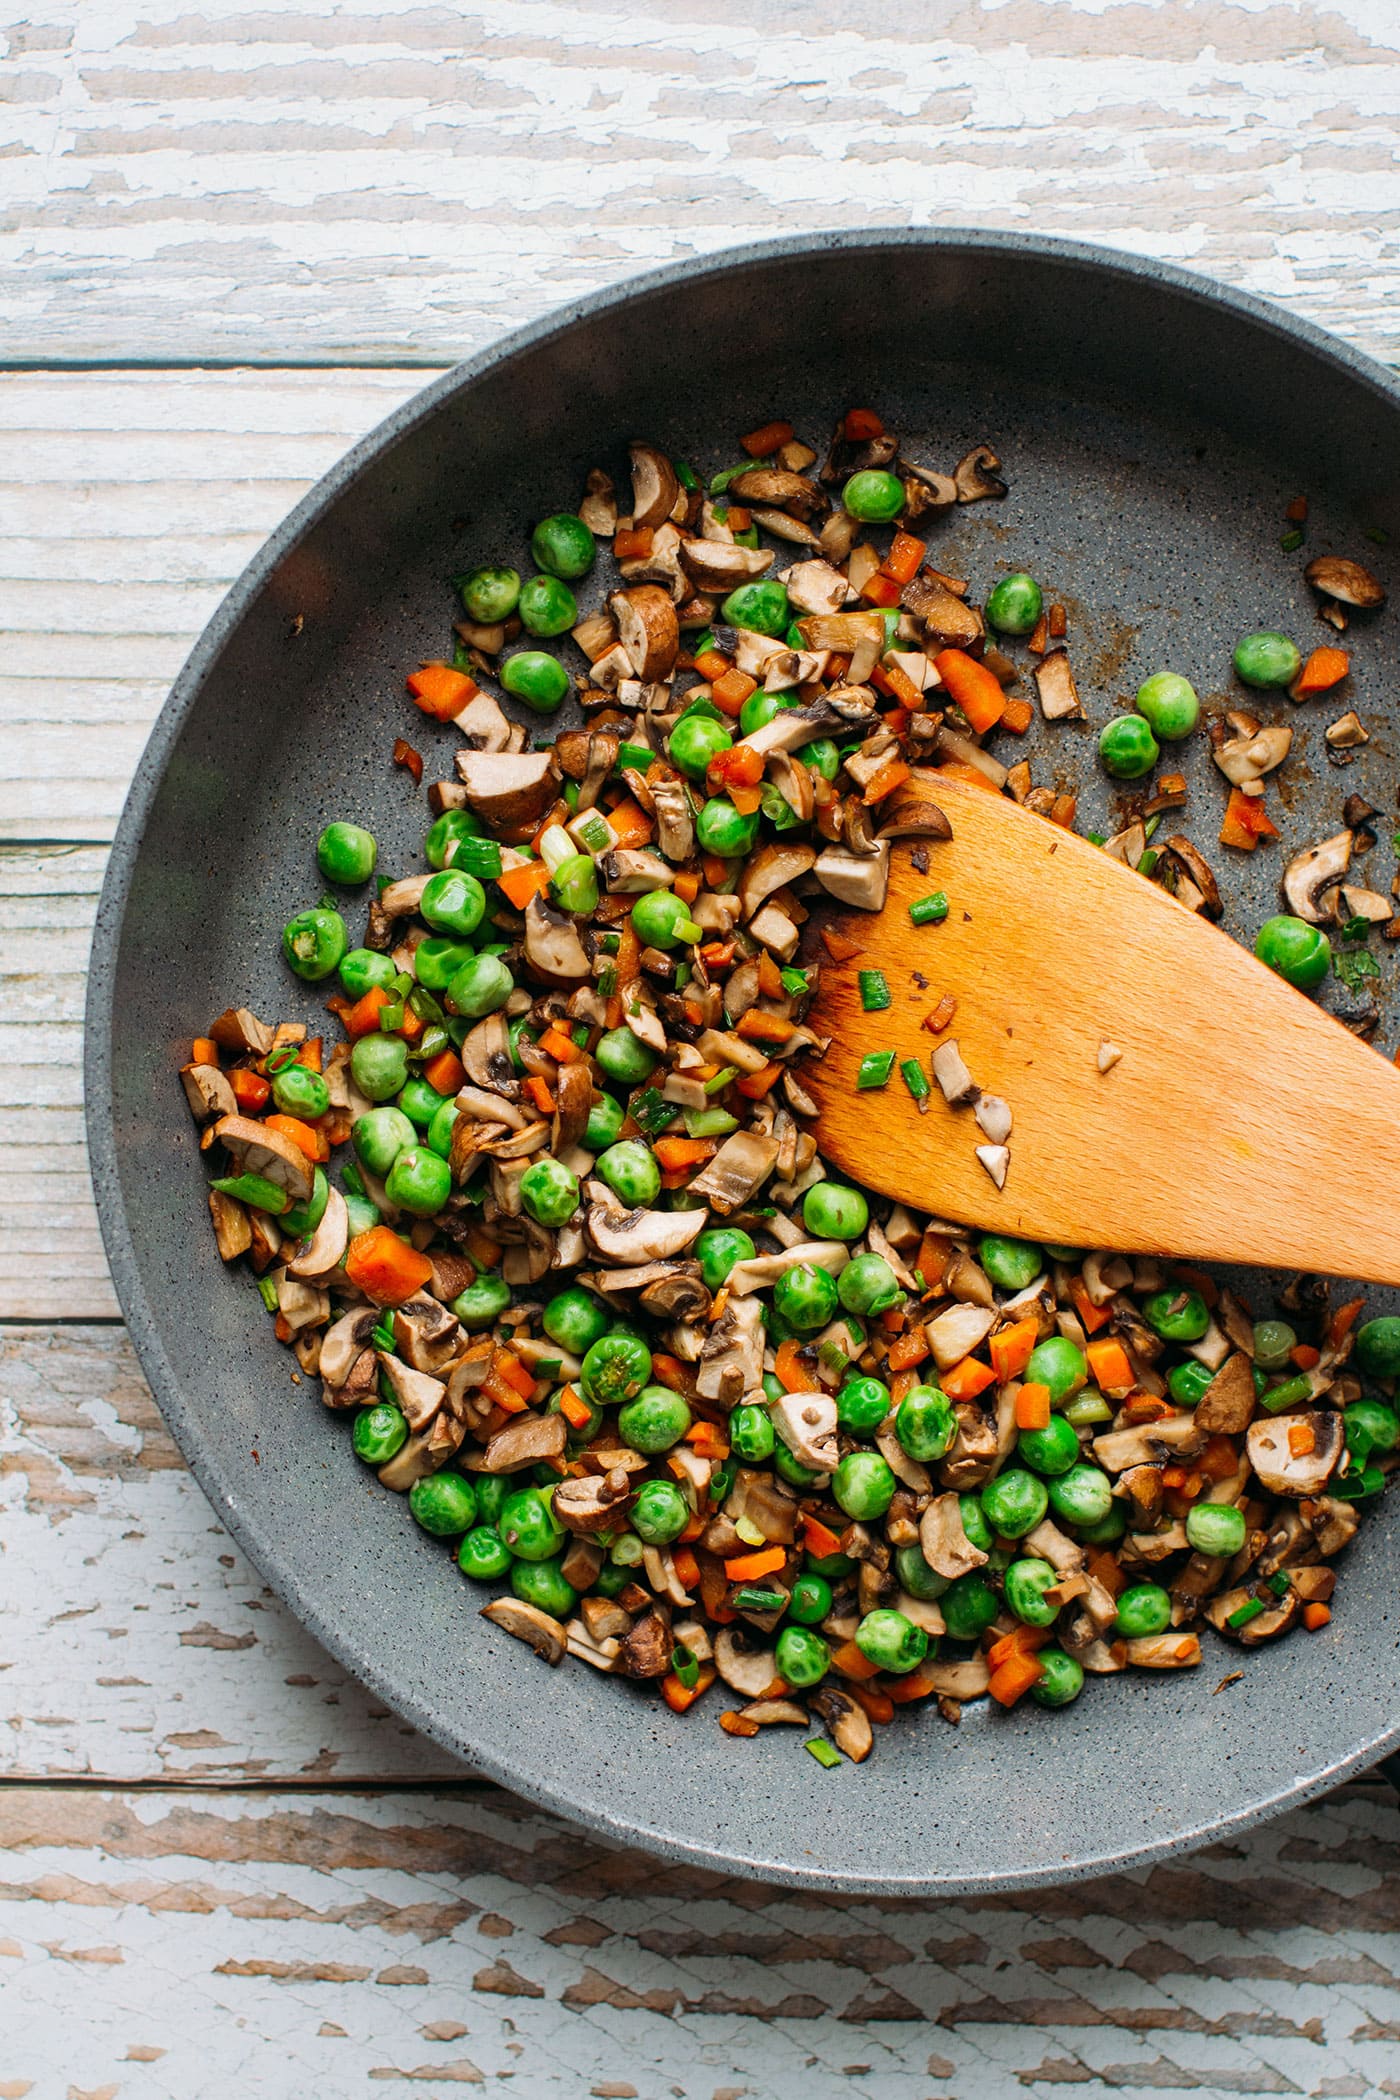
{"x": 1153, "y": 428}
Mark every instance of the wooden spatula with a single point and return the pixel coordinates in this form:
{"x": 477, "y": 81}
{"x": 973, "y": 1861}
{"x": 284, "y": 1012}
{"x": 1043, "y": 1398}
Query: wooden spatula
{"x": 1239, "y": 1123}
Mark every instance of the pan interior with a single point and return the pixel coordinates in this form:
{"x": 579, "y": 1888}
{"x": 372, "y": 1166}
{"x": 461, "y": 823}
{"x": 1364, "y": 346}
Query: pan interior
{"x": 1152, "y": 434}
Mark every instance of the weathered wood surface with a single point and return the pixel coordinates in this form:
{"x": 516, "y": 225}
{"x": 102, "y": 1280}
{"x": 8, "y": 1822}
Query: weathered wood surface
{"x": 280, "y": 178}
{"x": 324, "y": 1943}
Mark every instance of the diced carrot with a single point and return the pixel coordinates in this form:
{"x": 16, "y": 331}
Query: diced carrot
{"x": 442, "y": 692}
{"x": 687, "y": 1567}
{"x": 790, "y": 1371}
{"x": 694, "y": 1526}
{"x": 314, "y": 1143}
{"x": 504, "y": 1396}
{"x": 1315, "y": 1617}
{"x": 1297, "y": 511}
{"x": 574, "y": 1408}
{"x": 282, "y": 1328}
{"x": 1145, "y": 1407}
{"x": 385, "y": 1267}
{"x": 1304, "y": 1357}
{"x": 914, "y": 1685}
{"x": 755, "y": 1085}
{"x": 519, "y": 885}
{"x": 1219, "y": 1459}
{"x": 557, "y": 813}
{"x": 1091, "y": 1317}
{"x": 1033, "y": 1407}
{"x": 730, "y": 691}
{"x": 970, "y": 775}
{"x": 542, "y": 1094}
{"x": 1302, "y": 1438}
{"x": 1108, "y": 1361}
{"x": 250, "y": 1090}
{"x": 734, "y": 1723}
{"x": 905, "y": 555}
{"x": 973, "y": 687}
{"x": 309, "y": 1055}
{"x": 687, "y": 885}
{"x": 819, "y": 1539}
{"x": 1246, "y": 821}
{"x": 967, "y": 1379}
{"x": 1057, "y": 623}
{"x": 403, "y": 754}
{"x": 1063, "y": 810}
{"x": 410, "y": 1027}
{"x": 739, "y": 766}
{"x": 1040, "y": 634}
{"x": 712, "y": 664}
{"x": 894, "y": 1320}
{"x": 879, "y": 1706}
{"x": 747, "y": 1567}
{"x": 911, "y": 1349}
{"x": 1017, "y": 716}
{"x": 709, "y": 1441}
{"x": 767, "y": 438}
{"x": 561, "y": 1047}
{"x": 1022, "y": 1640}
{"x": 679, "y": 1696}
{"x": 1014, "y": 1679}
{"x": 507, "y": 1365}
{"x": 627, "y": 961}
{"x": 935, "y": 1250}
{"x": 1323, "y": 669}
{"x": 1011, "y": 1349}
{"x": 848, "y": 1660}
{"x": 770, "y": 977}
{"x": 632, "y": 543}
{"x": 756, "y": 1026}
{"x": 746, "y": 799}
{"x": 1105, "y": 1569}
{"x": 631, "y": 823}
{"x": 838, "y": 947}
{"x": 445, "y": 1073}
{"x": 859, "y": 425}
{"x": 363, "y": 1017}
{"x": 904, "y": 690}
{"x": 673, "y": 1374}
{"x": 892, "y": 774}
{"x": 1343, "y": 1320}
{"x": 679, "y": 1155}
{"x": 484, "y": 1251}
{"x": 737, "y": 518}
{"x": 204, "y": 1051}
{"x": 881, "y": 590}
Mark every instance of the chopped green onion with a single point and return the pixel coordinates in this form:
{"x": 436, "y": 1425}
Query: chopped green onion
{"x": 267, "y": 1291}
{"x": 875, "y": 1070}
{"x": 1252, "y": 1608}
{"x": 1149, "y": 861}
{"x": 721, "y": 1079}
{"x": 703, "y": 643}
{"x": 607, "y": 980}
{"x": 687, "y": 930}
{"x": 1356, "y": 929}
{"x": 1359, "y": 1487}
{"x": 930, "y": 910}
{"x": 1355, "y": 967}
{"x": 795, "y": 982}
{"x": 684, "y": 973}
{"x": 651, "y": 1113}
{"x": 571, "y": 793}
{"x": 1278, "y": 1583}
{"x": 1378, "y": 535}
{"x": 480, "y": 857}
{"x": 609, "y": 943}
{"x": 422, "y": 1003}
{"x": 686, "y": 1667}
{"x": 636, "y": 756}
{"x": 556, "y": 847}
{"x": 383, "y": 1336}
{"x": 391, "y": 1017}
{"x": 823, "y": 1752}
{"x": 685, "y": 475}
{"x": 1096, "y": 838}
{"x": 433, "y": 1040}
{"x": 278, "y": 1060}
{"x": 550, "y": 1369}
{"x": 1086, "y": 1407}
{"x": 759, "y": 1600}
{"x": 580, "y": 1033}
{"x": 874, "y": 991}
{"x": 912, "y": 1073}
{"x": 722, "y": 480}
{"x": 1286, "y": 1395}
{"x": 747, "y": 538}
{"x": 708, "y": 1122}
{"x": 1292, "y": 541}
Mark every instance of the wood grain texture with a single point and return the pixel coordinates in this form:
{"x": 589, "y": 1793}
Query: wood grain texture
{"x": 284, "y": 179}
{"x": 1284, "y": 1101}
{"x": 336, "y": 1943}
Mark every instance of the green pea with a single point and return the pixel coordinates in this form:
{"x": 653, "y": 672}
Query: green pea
{"x": 1058, "y": 1364}
{"x": 1377, "y": 1348}
{"x": 536, "y": 678}
{"x": 303, "y": 1218}
{"x": 761, "y": 607}
{"x": 694, "y": 741}
{"x": 805, "y": 1297}
{"x": 832, "y": 1567}
{"x": 1010, "y": 1264}
{"x": 491, "y": 1490}
{"x": 482, "y": 986}
{"x": 868, "y": 1285}
{"x": 891, "y": 1641}
{"x": 873, "y": 496}
{"x": 654, "y": 1421}
{"x": 443, "y": 1504}
{"x": 916, "y": 1576}
{"x": 1083, "y": 1495}
{"x": 611, "y": 1580}
{"x": 1108, "y": 1530}
{"x": 811, "y": 1597}
{"x": 574, "y": 884}
{"x": 976, "y": 1529}
{"x": 542, "y": 1583}
{"x": 547, "y": 607}
{"x": 1215, "y": 1527}
{"x": 660, "y": 920}
{"x": 490, "y": 595}
{"x": 1061, "y": 1678}
{"x": 862, "y": 1405}
{"x": 378, "y": 1433}
{"x": 1127, "y": 747}
{"x": 1143, "y": 1610}
{"x": 360, "y": 1214}
{"x": 831, "y": 1212}
{"x": 380, "y": 1135}
{"x": 720, "y": 828}
{"x": 718, "y": 1248}
{"x": 624, "y": 1057}
{"x": 314, "y": 942}
{"x": 362, "y": 968}
{"x": 969, "y": 1606}
{"x": 1024, "y": 1585}
{"x": 379, "y": 1067}
{"x": 562, "y": 545}
{"x": 802, "y": 1657}
{"x": 1014, "y": 1502}
{"x": 1273, "y": 1342}
{"x": 1370, "y": 1426}
{"x": 421, "y": 1102}
{"x": 1051, "y": 1450}
{"x": 574, "y": 1319}
{"x": 300, "y": 1092}
{"x": 758, "y": 711}
{"x": 346, "y": 853}
{"x": 615, "y": 1368}
{"x": 453, "y": 902}
{"x": 751, "y": 1434}
{"x": 787, "y": 1468}
{"x": 1015, "y": 604}
{"x": 481, "y": 1304}
{"x": 1267, "y": 659}
{"x": 863, "y": 1485}
{"x": 925, "y": 1423}
{"x": 822, "y": 756}
{"x": 660, "y": 1512}
{"x": 526, "y": 1524}
{"x": 605, "y": 1120}
{"x": 549, "y": 1192}
{"x": 419, "y": 1181}
{"x": 436, "y": 961}
{"x": 1187, "y": 1383}
{"x": 1169, "y": 705}
{"x": 1178, "y": 1316}
{"x": 446, "y": 834}
{"x": 1298, "y": 953}
{"x": 482, "y": 1555}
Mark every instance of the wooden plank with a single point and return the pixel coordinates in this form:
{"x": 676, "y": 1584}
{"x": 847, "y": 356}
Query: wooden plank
{"x": 325, "y": 1942}
{"x": 230, "y": 180}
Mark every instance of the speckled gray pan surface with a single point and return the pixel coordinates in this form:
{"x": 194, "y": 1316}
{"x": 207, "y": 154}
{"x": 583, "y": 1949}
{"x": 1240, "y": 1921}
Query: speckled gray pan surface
{"x": 1153, "y": 429}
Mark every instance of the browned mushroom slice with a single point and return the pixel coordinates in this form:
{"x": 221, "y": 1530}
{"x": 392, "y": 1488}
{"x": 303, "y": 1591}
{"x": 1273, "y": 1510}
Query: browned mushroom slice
{"x": 599, "y": 506}
{"x": 1227, "y": 1406}
{"x": 233, "y": 1232}
{"x": 322, "y": 1252}
{"x": 641, "y": 1235}
{"x": 552, "y": 945}
{"x": 947, "y": 620}
{"x": 771, "y": 868}
{"x": 975, "y": 475}
{"x": 208, "y": 1092}
{"x": 592, "y": 1501}
{"x": 1296, "y": 1454}
{"x": 816, "y": 587}
{"x": 239, "y": 1029}
{"x": 767, "y": 1713}
{"x": 675, "y": 822}
{"x": 655, "y": 488}
{"x": 647, "y": 629}
{"x": 1276, "y": 1618}
{"x": 1310, "y": 874}
{"x": 718, "y": 565}
{"x": 573, "y": 1094}
{"x": 529, "y": 1624}
{"x": 859, "y": 635}
{"x": 417, "y": 1394}
{"x": 847, "y": 1723}
{"x": 943, "y": 1541}
{"x": 912, "y": 812}
{"x": 527, "y": 1441}
{"x": 747, "y": 1670}
{"x": 508, "y": 789}
{"x": 1347, "y": 733}
{"x": 783, "y": 491}
{"x": 1164, "y": 1651}
{"x": 1346, "y": 580}
{"x": 1251, "y": 756}
{"x": 646, "y": 1652}
{"x": 1056, "y": 690}
{"x": 939, "y": 491}
{"x": 1357, "y": 903}
{"x": 956, "y": 1084}
{"x": 1186, "y": 856}
{"x": 258, "y": 1150}
{"x": 731, "y": 1361}
{"x": 806, "y": 1422}
{"x": 857, "y": 879}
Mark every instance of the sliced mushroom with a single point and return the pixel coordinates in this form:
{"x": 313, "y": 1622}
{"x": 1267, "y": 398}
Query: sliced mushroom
{"x": 1186, "y": 856}
{"x": 675, "y": 823}
{"x": 846, "y": 711}
{"x": 1345, "y": 580}
{"x": 322, "y": 1252}
{"x": 1357, "y": 903}
{"x": 1310, "y": 874}
{"x": 1282, "y": 1469}
{"x": 486, "y": 1055}
{"x": 806, "y": 1422}
{"x": 739, "y": 1168}
{"x": 655, "y": 488}
{"x": 599, "y": 506}
{"x": 847, "y": 1723}
{"x": 417, "y": 1394}
{"x": 1276, "y": 1618}
{"x": 912, "y": 811}
{"x": 766, "y": 1713}
{"x": 1227, "y": 1405}
{"x": 761, "y": 1271}
{"x": 552, "y": 944}
{"x": 258, "y": 1150}
{"x": 857, "y": 879}
{"x": 526, "y": 1441}
{"x": 630, "y": 871}
{"x": 781, "y": 490}
{"x": 957, "y": 1332}
{"x": 208, "y": 1092}
{"x": 1347, "y": 733}
{"x": 641, "y": 1235}
{"x": 529, "y": 1624}
{"x": 995, "y": 1159}
{"x": 958, "y": 1087}
{"x": 771, "y": 868}
{"x": 731, "y": 1360}
{"x": 749, "y": 1671}
{"x": 647, "y": 629}
{"x": 592, "y": 1501}
{"x": 712, "y": 565}
{"x": 508, "y": 789}
{"x": 947, "y": 620}
{"x": 1164, "y": 1651}
{"x": 975, "y": 475}
{"x": 993, "y": 1118}
{"x": 1056, "y": 689}
{"x": 943, "y": 1541}
{"x": 233, "y": 1230}
{"x": 1249, "y": 757}
{"x": 573, "y": 1094}
{"x": 816, "y": 587}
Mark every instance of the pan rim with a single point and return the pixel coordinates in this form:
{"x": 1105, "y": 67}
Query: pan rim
{"x": 139, "y": 1314}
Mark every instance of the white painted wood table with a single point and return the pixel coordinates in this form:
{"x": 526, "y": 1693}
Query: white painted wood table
{"x": 226, "y": 1868}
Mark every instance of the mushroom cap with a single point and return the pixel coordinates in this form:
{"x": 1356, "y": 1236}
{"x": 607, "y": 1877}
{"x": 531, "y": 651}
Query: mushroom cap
{"x": 508, "y": 788}
{"x": 743, "y": 1669}
{"x": 647, "y": 629}
{"x": 806, "y": 1422}
{"x": 848, "y": 1723}
{"x": 642, "y": 1235}
{"x": 529, "y": 1624}
{"x": 779, "y": 488}
{"x": 655, "y": 488}
{"x": 208, "y": 1092}
{"x": 1346, "y": 580}
{"x": 323, "y": 1250}
{"x": 718, "y": 565}
{"x": 1313, "y": 872}
{"x": 912, "y": 812}
{"x": 943, "y": 1541}
{"x": 975, "y": 475}
{"x": 1281, "y": 1470}
{"x": 771, "y": 868}
{"x": 266, "y": 1152}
